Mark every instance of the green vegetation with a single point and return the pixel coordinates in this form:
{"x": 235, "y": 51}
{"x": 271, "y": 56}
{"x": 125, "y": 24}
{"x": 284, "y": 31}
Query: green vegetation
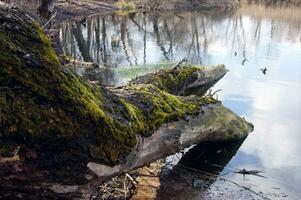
{"x": 153, "y": 107}
{"x": 125, "y": 5}
{"x": 45, "y": 104}
{"x": 39, "y": 99}
{"x": 170, "y": 80}
{"x": 173, "y": 80}
{"x": 6, "y": 150}
{"x": 166, "y": 107}
{"x": 130, "y": 72}
{"x": 127, "y": 73}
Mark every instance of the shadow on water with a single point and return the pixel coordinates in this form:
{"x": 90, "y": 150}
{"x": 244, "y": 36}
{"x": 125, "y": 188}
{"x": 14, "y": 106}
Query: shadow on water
{"x": 196, "y": 171}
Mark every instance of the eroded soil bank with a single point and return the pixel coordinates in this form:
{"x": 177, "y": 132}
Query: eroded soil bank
{"x": 66, "y": 10}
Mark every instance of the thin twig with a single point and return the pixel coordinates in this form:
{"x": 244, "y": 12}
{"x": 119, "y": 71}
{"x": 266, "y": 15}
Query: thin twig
{"x": 225, "y": 179}
{"x": 216, "y": 92}
{"x": 124, "y": 187}
{"x": 51, "y": 18}
{"x": 131, "y": 179}
{"x": 179, "y": 63}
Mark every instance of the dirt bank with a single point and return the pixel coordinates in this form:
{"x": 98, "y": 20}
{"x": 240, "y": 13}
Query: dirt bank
{"x": 197, "y": 5}
{"x": 65, "y": 10}
{"x": 81, "y": 8}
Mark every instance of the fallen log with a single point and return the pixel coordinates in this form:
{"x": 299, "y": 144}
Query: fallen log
{"x": 186, "y": 80}
{"x": 60, "y": 135}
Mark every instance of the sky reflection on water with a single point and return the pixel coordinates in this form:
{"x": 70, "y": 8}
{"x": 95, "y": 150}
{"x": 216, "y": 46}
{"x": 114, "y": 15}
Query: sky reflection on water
{"x": 265, "y": 37}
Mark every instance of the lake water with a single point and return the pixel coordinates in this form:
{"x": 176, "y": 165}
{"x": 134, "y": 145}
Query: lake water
{"x": 261, "y": 47}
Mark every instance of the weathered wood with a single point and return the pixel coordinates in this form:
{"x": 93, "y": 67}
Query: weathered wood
{"x": 214, "y": 123}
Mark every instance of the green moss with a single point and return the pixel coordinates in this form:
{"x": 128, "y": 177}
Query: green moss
{"x": 44, "y": 104}
{"x": 160, "y": 107}
{"x": 125, "y": 5}
{"x": 7, "y": 150}
{"x": 172, "y": 81}
{"x": 236, "y": 127}
{"x": 3, "y": 102}
{"x": 168, "y": 107}
{"x": 9, "y": 55}
{"x": 49, "y": 55}
{"x": 51, "y": 101}
{"x": 136, "y": 117}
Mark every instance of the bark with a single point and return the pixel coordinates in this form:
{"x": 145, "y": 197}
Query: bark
{"x": 83, "y": 48}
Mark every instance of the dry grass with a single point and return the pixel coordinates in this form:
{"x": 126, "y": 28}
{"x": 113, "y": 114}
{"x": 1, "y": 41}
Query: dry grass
{"x": 278, "y": 13}
{"x": 125, "y": 5}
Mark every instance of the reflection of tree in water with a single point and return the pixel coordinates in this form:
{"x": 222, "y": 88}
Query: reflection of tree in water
{"x": 160, "y": 43}
{"x": 82, "y": 45}
{"x": 97, "y": 39}
{"x": 104, "y": 44}
{"x": 143, "y": 38}
{"x": 195, "y": 44}
{"x": 170, "y": 37}
{"x": 123, "y": 28}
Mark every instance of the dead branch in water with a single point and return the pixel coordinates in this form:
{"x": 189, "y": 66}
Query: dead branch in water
{"x": 51, "y": 18}
{"x": 179, "y": 63}
{"x": 208, "y": 174}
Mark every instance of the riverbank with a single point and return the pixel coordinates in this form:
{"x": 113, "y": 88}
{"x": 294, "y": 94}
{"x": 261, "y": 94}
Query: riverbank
{"x": 82, "y": 8}
{"x": 79, "y": 9}
{"x": 65, "y": 10}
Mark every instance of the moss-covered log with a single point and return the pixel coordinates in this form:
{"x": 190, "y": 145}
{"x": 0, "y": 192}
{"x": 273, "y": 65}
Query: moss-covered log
{"x": 56, "y": 128}
{"x": 42, "y": 101}
{"x": 186, "y": 80}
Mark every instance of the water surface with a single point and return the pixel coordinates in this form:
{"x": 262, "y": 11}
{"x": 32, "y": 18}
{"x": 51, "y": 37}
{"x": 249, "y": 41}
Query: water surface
{"x": 247, "y": 41}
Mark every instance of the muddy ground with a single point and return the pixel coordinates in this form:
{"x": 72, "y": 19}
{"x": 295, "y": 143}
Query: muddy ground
{"x": 65, "y": 10}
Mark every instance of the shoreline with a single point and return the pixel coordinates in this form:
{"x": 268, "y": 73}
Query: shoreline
{"x": 81, "y": 9}
{"x": 85, "y": 8}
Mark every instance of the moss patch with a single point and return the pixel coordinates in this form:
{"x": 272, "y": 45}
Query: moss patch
{"x": 152, "y": 107}
{"x": 6, "y": 150}
{"x": 40, "y": 100}
{"x": 125, "y": 5}
{"x": 170, "y": 80}
{"x": 136, "y": 117}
